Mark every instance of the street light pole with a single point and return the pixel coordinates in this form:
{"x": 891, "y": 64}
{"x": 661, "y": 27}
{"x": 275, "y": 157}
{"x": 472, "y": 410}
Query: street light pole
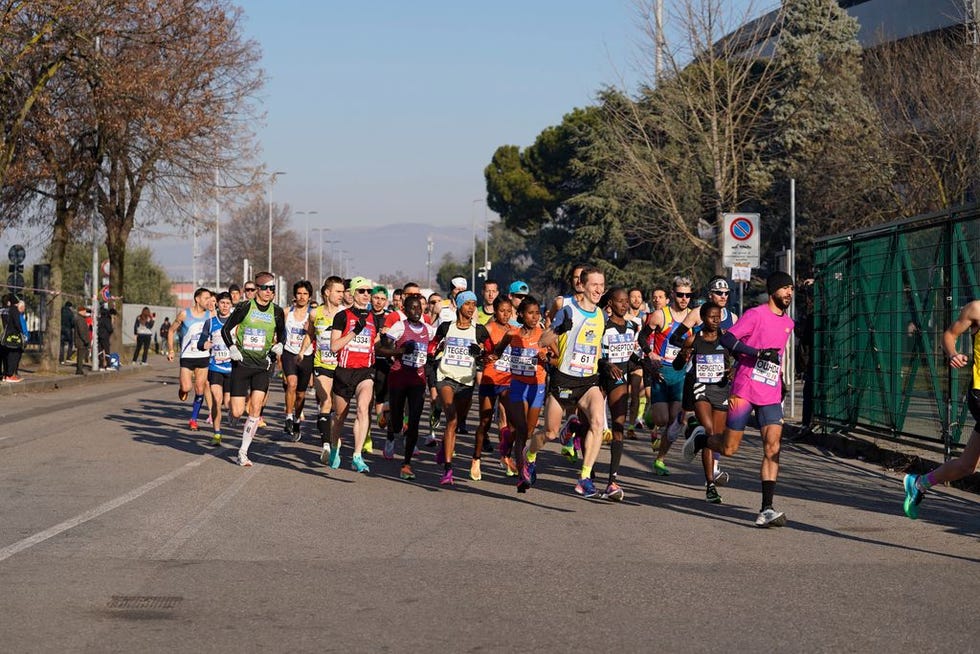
{"x": 473, "y": 247}
{"x": 272, "y": 180}
{"x": 306, "y": 260}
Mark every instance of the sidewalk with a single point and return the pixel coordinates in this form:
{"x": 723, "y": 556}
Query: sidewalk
{"x": 35, "y": 382}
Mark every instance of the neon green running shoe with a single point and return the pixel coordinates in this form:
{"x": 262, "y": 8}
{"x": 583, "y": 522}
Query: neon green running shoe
{"x": 660, "y": 468}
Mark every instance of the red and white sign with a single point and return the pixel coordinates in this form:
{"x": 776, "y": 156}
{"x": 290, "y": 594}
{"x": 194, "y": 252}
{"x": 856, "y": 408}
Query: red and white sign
{"x": 740, "y": 240}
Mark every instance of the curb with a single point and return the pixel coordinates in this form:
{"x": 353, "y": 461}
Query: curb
{"x": 54, "y": 381}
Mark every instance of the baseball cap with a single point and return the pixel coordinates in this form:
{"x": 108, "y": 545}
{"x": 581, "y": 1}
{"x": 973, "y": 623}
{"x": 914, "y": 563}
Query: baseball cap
{"x": 519, "y": 287}
{"x": 464, "y": 297}
{"x": 718, "y": 284}
{"x": 360, "y": 282}
{"x": 458, "y": 282}
{"x": 777, "y": 280}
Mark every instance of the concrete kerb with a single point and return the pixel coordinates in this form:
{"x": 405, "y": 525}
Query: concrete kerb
{"x": 42, "y": 382}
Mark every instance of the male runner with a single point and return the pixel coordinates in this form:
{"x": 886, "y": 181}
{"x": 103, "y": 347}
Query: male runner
{"x": 491, "y": 289}
{"x": 319, "y": 328}
{"x": 219, "y": 366}
{"x": 296, "y": 370}
{"x": 758, "y": 342}
{"x": 193, "y": 362}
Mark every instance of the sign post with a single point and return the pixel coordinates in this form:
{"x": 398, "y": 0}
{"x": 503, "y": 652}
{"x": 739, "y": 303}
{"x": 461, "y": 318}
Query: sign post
{"x": 740, "y": 248}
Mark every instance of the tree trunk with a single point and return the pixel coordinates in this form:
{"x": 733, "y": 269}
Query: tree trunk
{"x": 50, "y": 354}
{"x": 117, "y": 235}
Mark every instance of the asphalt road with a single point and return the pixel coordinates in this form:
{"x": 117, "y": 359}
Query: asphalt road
{"x": 121, "y": 531}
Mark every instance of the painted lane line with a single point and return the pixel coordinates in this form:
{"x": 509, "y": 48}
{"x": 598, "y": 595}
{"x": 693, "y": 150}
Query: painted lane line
{"x": 40, "y": 537}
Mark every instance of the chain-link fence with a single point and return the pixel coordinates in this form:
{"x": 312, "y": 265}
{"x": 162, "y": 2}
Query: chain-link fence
{"x": 882, "y": 299}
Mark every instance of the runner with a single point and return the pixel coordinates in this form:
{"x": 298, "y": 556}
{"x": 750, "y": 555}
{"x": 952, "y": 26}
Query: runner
{"x": 194, "y": 363}
{"x": 517, "y": 292}
{"x": 297, "y": 370}
{"x": 576, "y": 334}
{"x": 435, "y": 406}
{"x": 966, "y": 463}
{"x": 494, "y": 385}
{"x": 407, "y": 342}
{"x": 256, "y": 331}
{"x": 353, "y": 338}
{"x": 620, "y": 356}
{"x": 667, "y": 384}
{"x": 527, "y": 381}
{"x": 491, "y": 289}
{"x": 706, "y": 385}
{"x": 235, "y": 291}
{"x": 382, "y": 364}
{"x": 398, "y": 301}
{"x": 758, "y": 342}
{"x": 460, "y": 350}
{"x": 219, "y": 365}
{"x": 319, "y": 329}
{"x": 638, "y": 311}
{"x": 574, "y": 281}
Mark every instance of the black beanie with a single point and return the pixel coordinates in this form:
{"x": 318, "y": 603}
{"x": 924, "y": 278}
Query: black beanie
{"x": 777, "y": 280}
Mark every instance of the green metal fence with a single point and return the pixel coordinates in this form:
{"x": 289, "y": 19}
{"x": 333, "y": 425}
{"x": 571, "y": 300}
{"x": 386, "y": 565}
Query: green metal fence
{"x": 882, "y": 299}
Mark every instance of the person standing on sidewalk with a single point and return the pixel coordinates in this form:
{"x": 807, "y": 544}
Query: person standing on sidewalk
{"x": 144, "y": 333}
{"x": 966, "y": 463}
{"x": 12, "y": 338}
{"x": 83, "y": 338}
{"x": 67, "y": 332}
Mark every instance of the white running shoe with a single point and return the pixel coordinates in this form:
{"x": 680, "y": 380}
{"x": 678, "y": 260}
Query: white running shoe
{"x": 770, "y": 518}
{"x": 676, "y": 428}
{"x": 325, "y": 454}
{"x": 688, "y": 450}
{"x": 243, "y": 460}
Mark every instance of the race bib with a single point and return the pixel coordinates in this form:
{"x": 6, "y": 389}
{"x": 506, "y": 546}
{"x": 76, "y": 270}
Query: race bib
{"x": 457, "y": 352}
{"x": 621, "y": 350}
{"x": 416, "y": 358}
{"x": 670, "y": 353}
{"x": 709, "y": 368}
{"x": 254, "y": 339}
{"x": 503, "y": 363}
{"x": 523, "y": 361}
{"x": 294, "y": 338}
{"x": 583, "y": 360}
{"x": 220, "y": 353}
{"x": 766, "y": 372}
{"x": 361, "y": 342}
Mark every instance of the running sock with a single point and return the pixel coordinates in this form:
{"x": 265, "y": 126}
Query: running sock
{"x": 323, "y": 426}
{"x": 251, "y": 426}
{"x": 925, "y": 482}
{"x": 196, "y": 408}
{"x": 615, "y": 454}
{"x": 768, "y": 491}
{"x": 586, "y": 472}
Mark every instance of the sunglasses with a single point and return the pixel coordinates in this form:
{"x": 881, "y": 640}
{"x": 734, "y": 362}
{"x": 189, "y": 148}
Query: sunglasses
{"x": 250, "y": 289}
{"x": 676, "y": 294}
{"x": 433, "y": 302}
{"x": 723, "y": 293}
{"x": 266, "y": 287}
{"x": 362, "y": 290}
{"x": 519, "y": 295}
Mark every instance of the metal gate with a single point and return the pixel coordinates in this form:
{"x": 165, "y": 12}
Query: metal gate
{"x": 882, "y": 299}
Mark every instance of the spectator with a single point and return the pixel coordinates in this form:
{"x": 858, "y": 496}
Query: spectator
{"x": 67, "y": 332}
{"x": 105, "y": 331}
{"x": 11, "y": 339}
{"x": 83, "y": 337}
{"x": 164, "y": 332}
{"x": 144, "y": 332}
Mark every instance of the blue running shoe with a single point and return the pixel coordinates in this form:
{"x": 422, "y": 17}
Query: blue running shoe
{"x": 334, "y": 458}
{"x": 358, "y": 465}
{"x": 586, "y": 488}
{"x": 532, "y": 472}
{"x": 913, "y": 496}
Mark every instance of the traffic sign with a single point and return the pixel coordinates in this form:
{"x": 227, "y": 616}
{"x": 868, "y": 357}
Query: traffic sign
{"x": 17, "y": 254}
{"x": 104, "y": 294}
{"x": 16, "y": 281}
{"x": 740, "y": 240}
{"x": 105, "y": 267}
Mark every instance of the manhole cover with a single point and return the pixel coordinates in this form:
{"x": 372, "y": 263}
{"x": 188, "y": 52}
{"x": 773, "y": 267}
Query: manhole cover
{"x": 144, "y": 601}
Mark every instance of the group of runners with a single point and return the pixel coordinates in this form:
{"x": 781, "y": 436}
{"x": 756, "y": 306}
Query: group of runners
{"x": 583, "y": 364}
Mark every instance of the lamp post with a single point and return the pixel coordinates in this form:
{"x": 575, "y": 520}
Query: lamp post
{"x": 333, "y": 254}
{"x": 320, "y": 233}
{"x": 272, "y": 180}
{"x": 343, "y": 264}
{"x": 306, "y": 260}
{"x": 473, "y": 247}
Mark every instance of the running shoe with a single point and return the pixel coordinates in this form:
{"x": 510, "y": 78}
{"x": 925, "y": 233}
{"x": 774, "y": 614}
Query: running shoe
{"x": 613, "y": 493}
{"x": 721, "y": 477}
{"x": 390, "y": 449}
{"x": 567, "y": 431}
{"x": 586, "y": 488}
{"x": 655, "y": 441}
{"x": 431, "y": 439}
{"x": 325, "y": 454}
{"x": 475, "y": 470}
{"x": 296, "y": 436}
{"x": 181, "y": 395}
{"x": 568, "y": 451}
{"x": 524, "y": 482}
{"x": 711, "y": 494}
{"x": 287, "y": 429}
{"x": 770, "y": 518}
{"x": 192, "y": 424}
{"x": 447, "y": 478}
{"x": 631, "y": 434}
{"x": 913, "y": 497}
{"x": 510, "y": 468}
{"x": 660, "y": 468}
{"x": 335, "y": 458}
{"x": 675, "y": 429}
{"x": 406, "y": 473}
{"x": 357, "y": 464}
{"x": 606, "y": 435}
{"x": 383, "y": 419}
{"x": 368, "y": 445}
{"x": 433, "y": 422}
{"x": 215, "y": 440}
{"x": 532, "y": 472}
{"x": 243, "y": 460}
{"x": 690, "y": 446}
{"x": 262, "y": 422}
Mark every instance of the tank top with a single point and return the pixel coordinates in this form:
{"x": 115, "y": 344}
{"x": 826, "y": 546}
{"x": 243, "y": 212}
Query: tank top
{"x": 256, "y": 334}
{"x": 191, "y": 334}
{"x": 323, "y": 356}
{"x": 359, "y": 351}
{"x": 409, "y": 369}
{"x": 661, "y": 338}
{"x": 456, "y": 362}
{"x": 497, "y": 373}
{"x": 618, "y": 346}
{"x": 220, "y": 361}
{"x": 727, "y": 319}
{"x": 525, "y": 365}
{"x": 708, "y": 361}
{"x": 579, "y": 347}
{"x": 295, "y": 331}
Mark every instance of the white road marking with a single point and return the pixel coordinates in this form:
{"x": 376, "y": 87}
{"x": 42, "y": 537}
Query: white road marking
{"x": 40, "y": 537}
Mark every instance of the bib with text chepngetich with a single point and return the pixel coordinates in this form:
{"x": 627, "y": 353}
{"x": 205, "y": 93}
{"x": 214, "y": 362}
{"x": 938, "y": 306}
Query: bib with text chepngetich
{"x": 671, "y": 352}
{"x": 709, "y": 368}
{"x": 323, "y": 334}
{"x": 766, "y": 372}
{"x": 523, "y": 361}
{"x": 457, "y": 352}
{"x": 620, "y": 347}
{"x": 416, "y": 358}
{"x": 254, "y": 339}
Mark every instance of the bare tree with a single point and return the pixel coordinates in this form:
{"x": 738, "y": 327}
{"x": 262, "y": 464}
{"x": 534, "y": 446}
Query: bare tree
{"x": 688, "y": 138}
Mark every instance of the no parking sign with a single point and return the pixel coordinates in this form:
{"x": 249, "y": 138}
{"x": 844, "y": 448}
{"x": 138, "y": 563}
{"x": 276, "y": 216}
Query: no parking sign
{"x": 740, "y": 240}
